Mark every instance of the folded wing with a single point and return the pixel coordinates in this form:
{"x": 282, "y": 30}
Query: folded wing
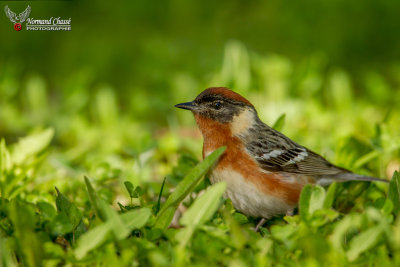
{"x": 275, "y": 152}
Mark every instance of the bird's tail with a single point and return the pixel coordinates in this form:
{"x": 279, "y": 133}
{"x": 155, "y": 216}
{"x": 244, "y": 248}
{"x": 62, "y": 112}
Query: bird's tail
{"x": 348, "y": 176}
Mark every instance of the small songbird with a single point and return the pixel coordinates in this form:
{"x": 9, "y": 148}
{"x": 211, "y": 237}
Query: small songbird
{"x": 265, "y": 171}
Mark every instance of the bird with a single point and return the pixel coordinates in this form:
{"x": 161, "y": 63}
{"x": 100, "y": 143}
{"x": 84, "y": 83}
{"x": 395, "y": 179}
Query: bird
{"x": 265, "y": 170}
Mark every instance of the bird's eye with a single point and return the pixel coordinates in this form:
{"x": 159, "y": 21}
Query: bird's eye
{"x": 217, "y": 105}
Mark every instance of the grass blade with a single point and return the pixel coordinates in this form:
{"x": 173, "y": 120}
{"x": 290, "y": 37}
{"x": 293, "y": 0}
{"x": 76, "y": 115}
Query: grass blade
{"x": 91, "y": 239}
{"x": 394, "y": 191}
{"x": 157, "y": 208}
{"x": 94, "y": 201}
{"x": 201, "y": 210}
{"x": 185, "y": 187}
{"x": 278, "y": 125}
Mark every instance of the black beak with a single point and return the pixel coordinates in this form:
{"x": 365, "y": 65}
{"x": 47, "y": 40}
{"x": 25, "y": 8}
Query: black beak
{"x": 187, "y": 105}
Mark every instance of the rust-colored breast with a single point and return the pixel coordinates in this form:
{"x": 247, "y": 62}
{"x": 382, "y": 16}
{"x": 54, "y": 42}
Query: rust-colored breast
{"x": 217, "y": 134}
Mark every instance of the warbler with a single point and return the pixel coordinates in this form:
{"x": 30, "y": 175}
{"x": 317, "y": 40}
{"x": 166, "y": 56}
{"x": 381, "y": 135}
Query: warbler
{"x": 265, "y": 170}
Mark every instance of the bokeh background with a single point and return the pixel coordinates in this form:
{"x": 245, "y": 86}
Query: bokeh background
{"x": 98, "y": 101}
{"x": 108, "y": 87}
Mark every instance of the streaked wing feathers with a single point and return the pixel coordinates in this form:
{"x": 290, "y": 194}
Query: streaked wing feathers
{"x": 276, "y": 152}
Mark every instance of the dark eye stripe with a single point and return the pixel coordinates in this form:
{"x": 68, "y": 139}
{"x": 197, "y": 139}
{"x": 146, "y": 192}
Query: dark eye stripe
{"x": 212, "y": 98}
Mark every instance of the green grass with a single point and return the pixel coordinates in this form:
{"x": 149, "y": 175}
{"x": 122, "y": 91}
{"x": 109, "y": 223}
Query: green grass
{"x": 85, "y": 180}
{"x": 36, "y": 233}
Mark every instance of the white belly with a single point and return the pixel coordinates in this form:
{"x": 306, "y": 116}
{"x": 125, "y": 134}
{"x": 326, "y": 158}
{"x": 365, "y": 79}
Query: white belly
{"x": 246, "y": 198}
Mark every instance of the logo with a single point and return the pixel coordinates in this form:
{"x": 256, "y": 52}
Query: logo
{"x": 17, "y": 20}
{"x": 33, "y": 24}
{"x": 18, "y": 26}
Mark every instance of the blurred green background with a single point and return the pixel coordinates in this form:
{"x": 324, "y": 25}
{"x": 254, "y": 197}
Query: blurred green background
{"x": 108, "y": 87}
{"x": 98, "y": 101}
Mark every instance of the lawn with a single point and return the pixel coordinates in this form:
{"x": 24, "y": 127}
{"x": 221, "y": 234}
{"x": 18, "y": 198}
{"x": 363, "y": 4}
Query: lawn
{"x": 97, "y": 167}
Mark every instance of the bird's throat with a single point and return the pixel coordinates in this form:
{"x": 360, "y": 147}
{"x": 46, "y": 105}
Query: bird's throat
{"x": 215, "y": 134}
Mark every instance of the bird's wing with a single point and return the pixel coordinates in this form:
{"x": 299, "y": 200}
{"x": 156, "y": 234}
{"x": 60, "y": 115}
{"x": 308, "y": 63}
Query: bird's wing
{"x": 276, "y": 152}
{"x": 296, "y": 160}
{"x": 24, "y": 15}
{"x": 11, "y": 15}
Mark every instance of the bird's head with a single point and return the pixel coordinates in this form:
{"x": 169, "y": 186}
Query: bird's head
{"x": 219, "y": 106}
